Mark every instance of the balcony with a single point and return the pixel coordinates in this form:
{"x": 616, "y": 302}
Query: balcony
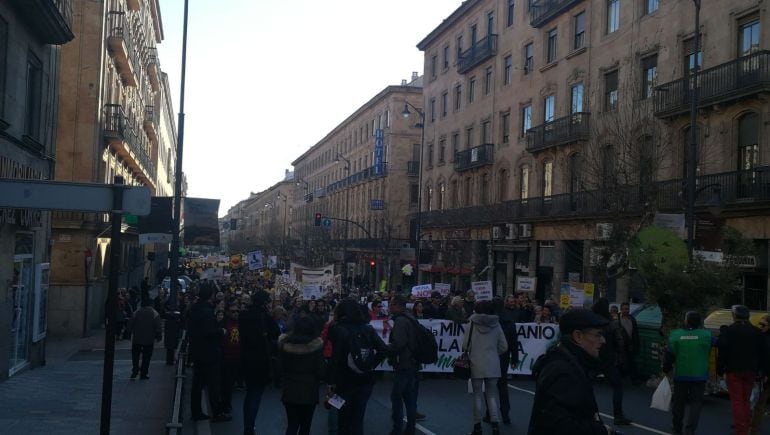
{"x": 51, "y": 20}
{"x": 561, "y": 131}
{"x": 543, "y": 11}
{"x": 371, "y": 172}
{"x": 730, "y": 81}
{"x": 150, "y": 123}
{"x": 479, "y": 52}
{"x": 128, "y": 142}
{"x": 121, "y": 48}
{"x": 413, "y": 168}
{"x": 739, "y": 190}
{"x": 153, "y": 68}
{"x": 474, "y": 157}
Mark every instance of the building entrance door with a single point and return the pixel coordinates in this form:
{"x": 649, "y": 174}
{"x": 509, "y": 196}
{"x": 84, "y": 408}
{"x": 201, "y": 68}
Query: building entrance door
{"x": 21, "y": 287}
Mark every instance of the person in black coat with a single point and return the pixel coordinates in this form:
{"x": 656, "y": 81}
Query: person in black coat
{"x": 612, "y": 356}
{"x": 258, "y": 331}
{"x": 205, "y": 352}
{"x": 300, "y": 368}
{"x": 564, "y": 398}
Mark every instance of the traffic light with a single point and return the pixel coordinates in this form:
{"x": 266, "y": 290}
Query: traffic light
{"x": 372, "y": 263}
{"x": 318, "y": 219}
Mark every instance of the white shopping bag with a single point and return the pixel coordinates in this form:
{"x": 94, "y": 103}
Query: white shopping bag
{"x": 661, "y": 398}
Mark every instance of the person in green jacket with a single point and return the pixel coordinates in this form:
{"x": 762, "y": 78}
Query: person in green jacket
{"x": 688, "y": 356}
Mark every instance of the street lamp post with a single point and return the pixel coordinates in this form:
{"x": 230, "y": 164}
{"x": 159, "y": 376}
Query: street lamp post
{"x": 347, "y": 215}
{"x": 692, "y": 150}
{"x": 406, "y": 114}
{"x": 307, "y": 216}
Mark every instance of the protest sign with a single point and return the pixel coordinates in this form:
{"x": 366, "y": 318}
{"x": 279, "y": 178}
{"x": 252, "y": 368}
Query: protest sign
{"x": 255, "y": 260}
{"x": 577, "y": 297}
{"x": 311, "y": 292}
{"x": 482, "y": 290}
{"x": 444, "y": 289}
{"x": 588, "y": 290}
{"x": 272, "y": 262}
{"x": 422, "y": 291}
{"x": 526, "y": 283}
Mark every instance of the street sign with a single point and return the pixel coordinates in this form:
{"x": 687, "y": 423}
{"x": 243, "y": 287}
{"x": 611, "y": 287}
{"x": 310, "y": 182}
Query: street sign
{"x": 56, "y": 195}
{"x": 326, "y": 223}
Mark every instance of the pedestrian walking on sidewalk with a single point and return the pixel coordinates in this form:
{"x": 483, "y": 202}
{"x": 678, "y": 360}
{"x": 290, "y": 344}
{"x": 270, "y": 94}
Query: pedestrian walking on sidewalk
{"x": 403, "y": 342}
{"x": 741, "y": 355}
{"x": 688, "y": 356}
{"x": 484, "y": 341}
{"x": 231, "y": 356}
{"x": 300, "y": 368}
{"x": 564, "y": 398}
{"x": 146, "y": 329}
{"x": 612, "y": 356}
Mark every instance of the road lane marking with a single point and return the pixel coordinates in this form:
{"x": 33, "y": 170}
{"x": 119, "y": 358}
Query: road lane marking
{"x": 417, "y": 426}
{"x": 640, "y": 426}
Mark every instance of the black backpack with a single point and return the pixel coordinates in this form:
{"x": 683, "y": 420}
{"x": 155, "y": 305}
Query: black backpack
{"x": 426, "y": 348}
{"x": 363, "y": 357}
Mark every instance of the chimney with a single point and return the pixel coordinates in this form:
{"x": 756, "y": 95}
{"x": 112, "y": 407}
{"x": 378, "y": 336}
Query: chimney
{"x": 403, "y": 82}
{"x": 414, "y": 75}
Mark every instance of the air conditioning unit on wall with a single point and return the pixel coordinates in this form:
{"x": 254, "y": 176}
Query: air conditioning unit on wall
{"x": 603, "y": 231}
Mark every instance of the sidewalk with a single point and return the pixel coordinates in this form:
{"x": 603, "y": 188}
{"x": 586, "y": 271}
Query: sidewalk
{"x": 64, "y": 396}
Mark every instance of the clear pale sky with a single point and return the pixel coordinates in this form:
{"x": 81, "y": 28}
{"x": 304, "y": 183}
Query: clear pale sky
{"x": 267, "y": 79}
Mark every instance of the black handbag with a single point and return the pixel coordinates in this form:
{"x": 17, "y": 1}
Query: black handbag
{"x": 462, "y": 365}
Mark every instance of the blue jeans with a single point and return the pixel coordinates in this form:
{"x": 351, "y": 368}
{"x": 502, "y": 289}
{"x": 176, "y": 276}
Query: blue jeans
{"x": 251, "y": 405}
{"x": 332, "y": 418}
{"x": 351, "y": 416}
{"x": 404, "y": 395}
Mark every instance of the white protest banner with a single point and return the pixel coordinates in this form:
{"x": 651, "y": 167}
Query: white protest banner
{"x": 534, "y": 340}
{"x": 526, "y": 283}
{"x": 422, "y": 291}
{"x": 482, "y": 290}
{"x": 311, "y": 292}
{"x": 272, "y": 262}
{"x": 442, "y": 288}
{"x": 255, "y": 260}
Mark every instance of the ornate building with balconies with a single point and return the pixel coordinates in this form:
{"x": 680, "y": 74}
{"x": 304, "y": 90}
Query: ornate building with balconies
{"x": 560, "y": 116}
{"x": 114, "y": 112}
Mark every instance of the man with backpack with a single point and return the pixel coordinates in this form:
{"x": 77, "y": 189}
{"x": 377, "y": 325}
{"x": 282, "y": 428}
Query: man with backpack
{"x": 411, "y": 345}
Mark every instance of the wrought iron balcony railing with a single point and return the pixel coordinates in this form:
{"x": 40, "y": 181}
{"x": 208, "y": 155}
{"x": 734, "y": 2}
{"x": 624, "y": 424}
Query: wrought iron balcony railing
{"x": 474, "y": 157}
{"x": 371, "y": 172}
{"x": 413, "y": 168}
{"x": 51, "y": 20}
{"x": 738, "y": 78}
{"x": 121, "y": 129}
{"x": 737, "y": 189}
{"x": 543, "y": 11}
{"x": 560, "y": 131}
{"x": 121, "y": 47}
{"x": 479, "y": 52}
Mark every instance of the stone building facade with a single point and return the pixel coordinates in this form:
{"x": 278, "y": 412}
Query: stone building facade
{"x": 547, "y": 120}
{"x": 32, "y": 33}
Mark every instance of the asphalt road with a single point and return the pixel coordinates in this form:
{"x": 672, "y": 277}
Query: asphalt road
{"x": 448, "y": 409}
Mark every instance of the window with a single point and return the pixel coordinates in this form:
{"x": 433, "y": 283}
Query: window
{"x": 429, "y": 198}
{"x": 649, "y": 75}
{"x": 430, "y": 155}
{"x": 529, "y": 58}
{"x": 576, "y": 98}
{"x": 441, "y": 196}
{"x": 646, "y": 161}
{"x": 575, "y": 168}
{"x": 432, "y": 110}
{"x": 549, "y": 106}
{"x": 502, "y": 187}
{"x": 748, "y": 38}
{"x": 490, "y": 23}
{"x": 613, "y": 15}
{"x": 484, "y": 189}
{"x": 459, "y": 47}
{"x": 467, "y": 196}
{"x": 547, "y": 179}
{"x": 524, "y": 182}
{"x": 488, "y": 80}
{"x": 509, "y": 13}
{"x": 413, "y": 193}
{"x": 550, "y": 54}
{"x": 458, "y": 96}
{"x": 580, "y": 31}
{"x": 444, "y": 103}
{"x": 441, "y": 151}
{"x": 471, "y": 89}
{"x": 607, "y": 165}
{"x": 34, "y": 96}
{"x": 526, "y": 119}
{"x": 433, "y": 62}
{"x": 387, "y": 119}
{"x": 455, "y": 144}
{"x": 486, "y": 132}
{"x": 454, "y": 195}
{"x": 3, "y": 58}
{"x": 474, "y": 36}
{"x": 748, "y": 141}
{"x": 469, "y": 138}
{"x": 508, "y": 70}
{"x": 650, "y": 6}
{"x": 445, "y": 59}
{"x": 690, "y": 57}
{"x": 611, "y": 91}
{"x": 505, "y": 127}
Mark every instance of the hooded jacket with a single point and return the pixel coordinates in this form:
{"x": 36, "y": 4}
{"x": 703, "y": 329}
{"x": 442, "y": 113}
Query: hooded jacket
{"x": 300, "y": 368}
{"x": 484, "y": 341}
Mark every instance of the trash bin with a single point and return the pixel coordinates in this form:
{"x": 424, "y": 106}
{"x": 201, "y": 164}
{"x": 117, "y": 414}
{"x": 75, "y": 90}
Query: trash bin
{"x": 651, "y": 344}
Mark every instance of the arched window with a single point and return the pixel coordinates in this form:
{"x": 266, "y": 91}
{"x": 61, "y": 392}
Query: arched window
{"x": 646, "y": 160}
{"x": 467, "y": 196}
{"x": 484, "y": 189}
{"x": 441, "y": 196}
{"x": 547, "y": 178}
{"x": 607, "y": 166}
{"x": 524, "y": 182}
{"x": 748, "y": 141}
{"x": 454, "y": 194}
{"x": 502, "y": 185}
{"x": 429, "y": 198}
{"x": 575, "y": 168}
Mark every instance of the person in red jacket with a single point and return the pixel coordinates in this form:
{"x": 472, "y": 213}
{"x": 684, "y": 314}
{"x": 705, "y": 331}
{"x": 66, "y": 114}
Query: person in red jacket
{"x": 231, "y": 355}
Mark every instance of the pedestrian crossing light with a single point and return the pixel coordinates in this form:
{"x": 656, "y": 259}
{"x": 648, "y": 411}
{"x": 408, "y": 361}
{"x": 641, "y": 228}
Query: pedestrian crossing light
{"x": 318, "y": 219}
